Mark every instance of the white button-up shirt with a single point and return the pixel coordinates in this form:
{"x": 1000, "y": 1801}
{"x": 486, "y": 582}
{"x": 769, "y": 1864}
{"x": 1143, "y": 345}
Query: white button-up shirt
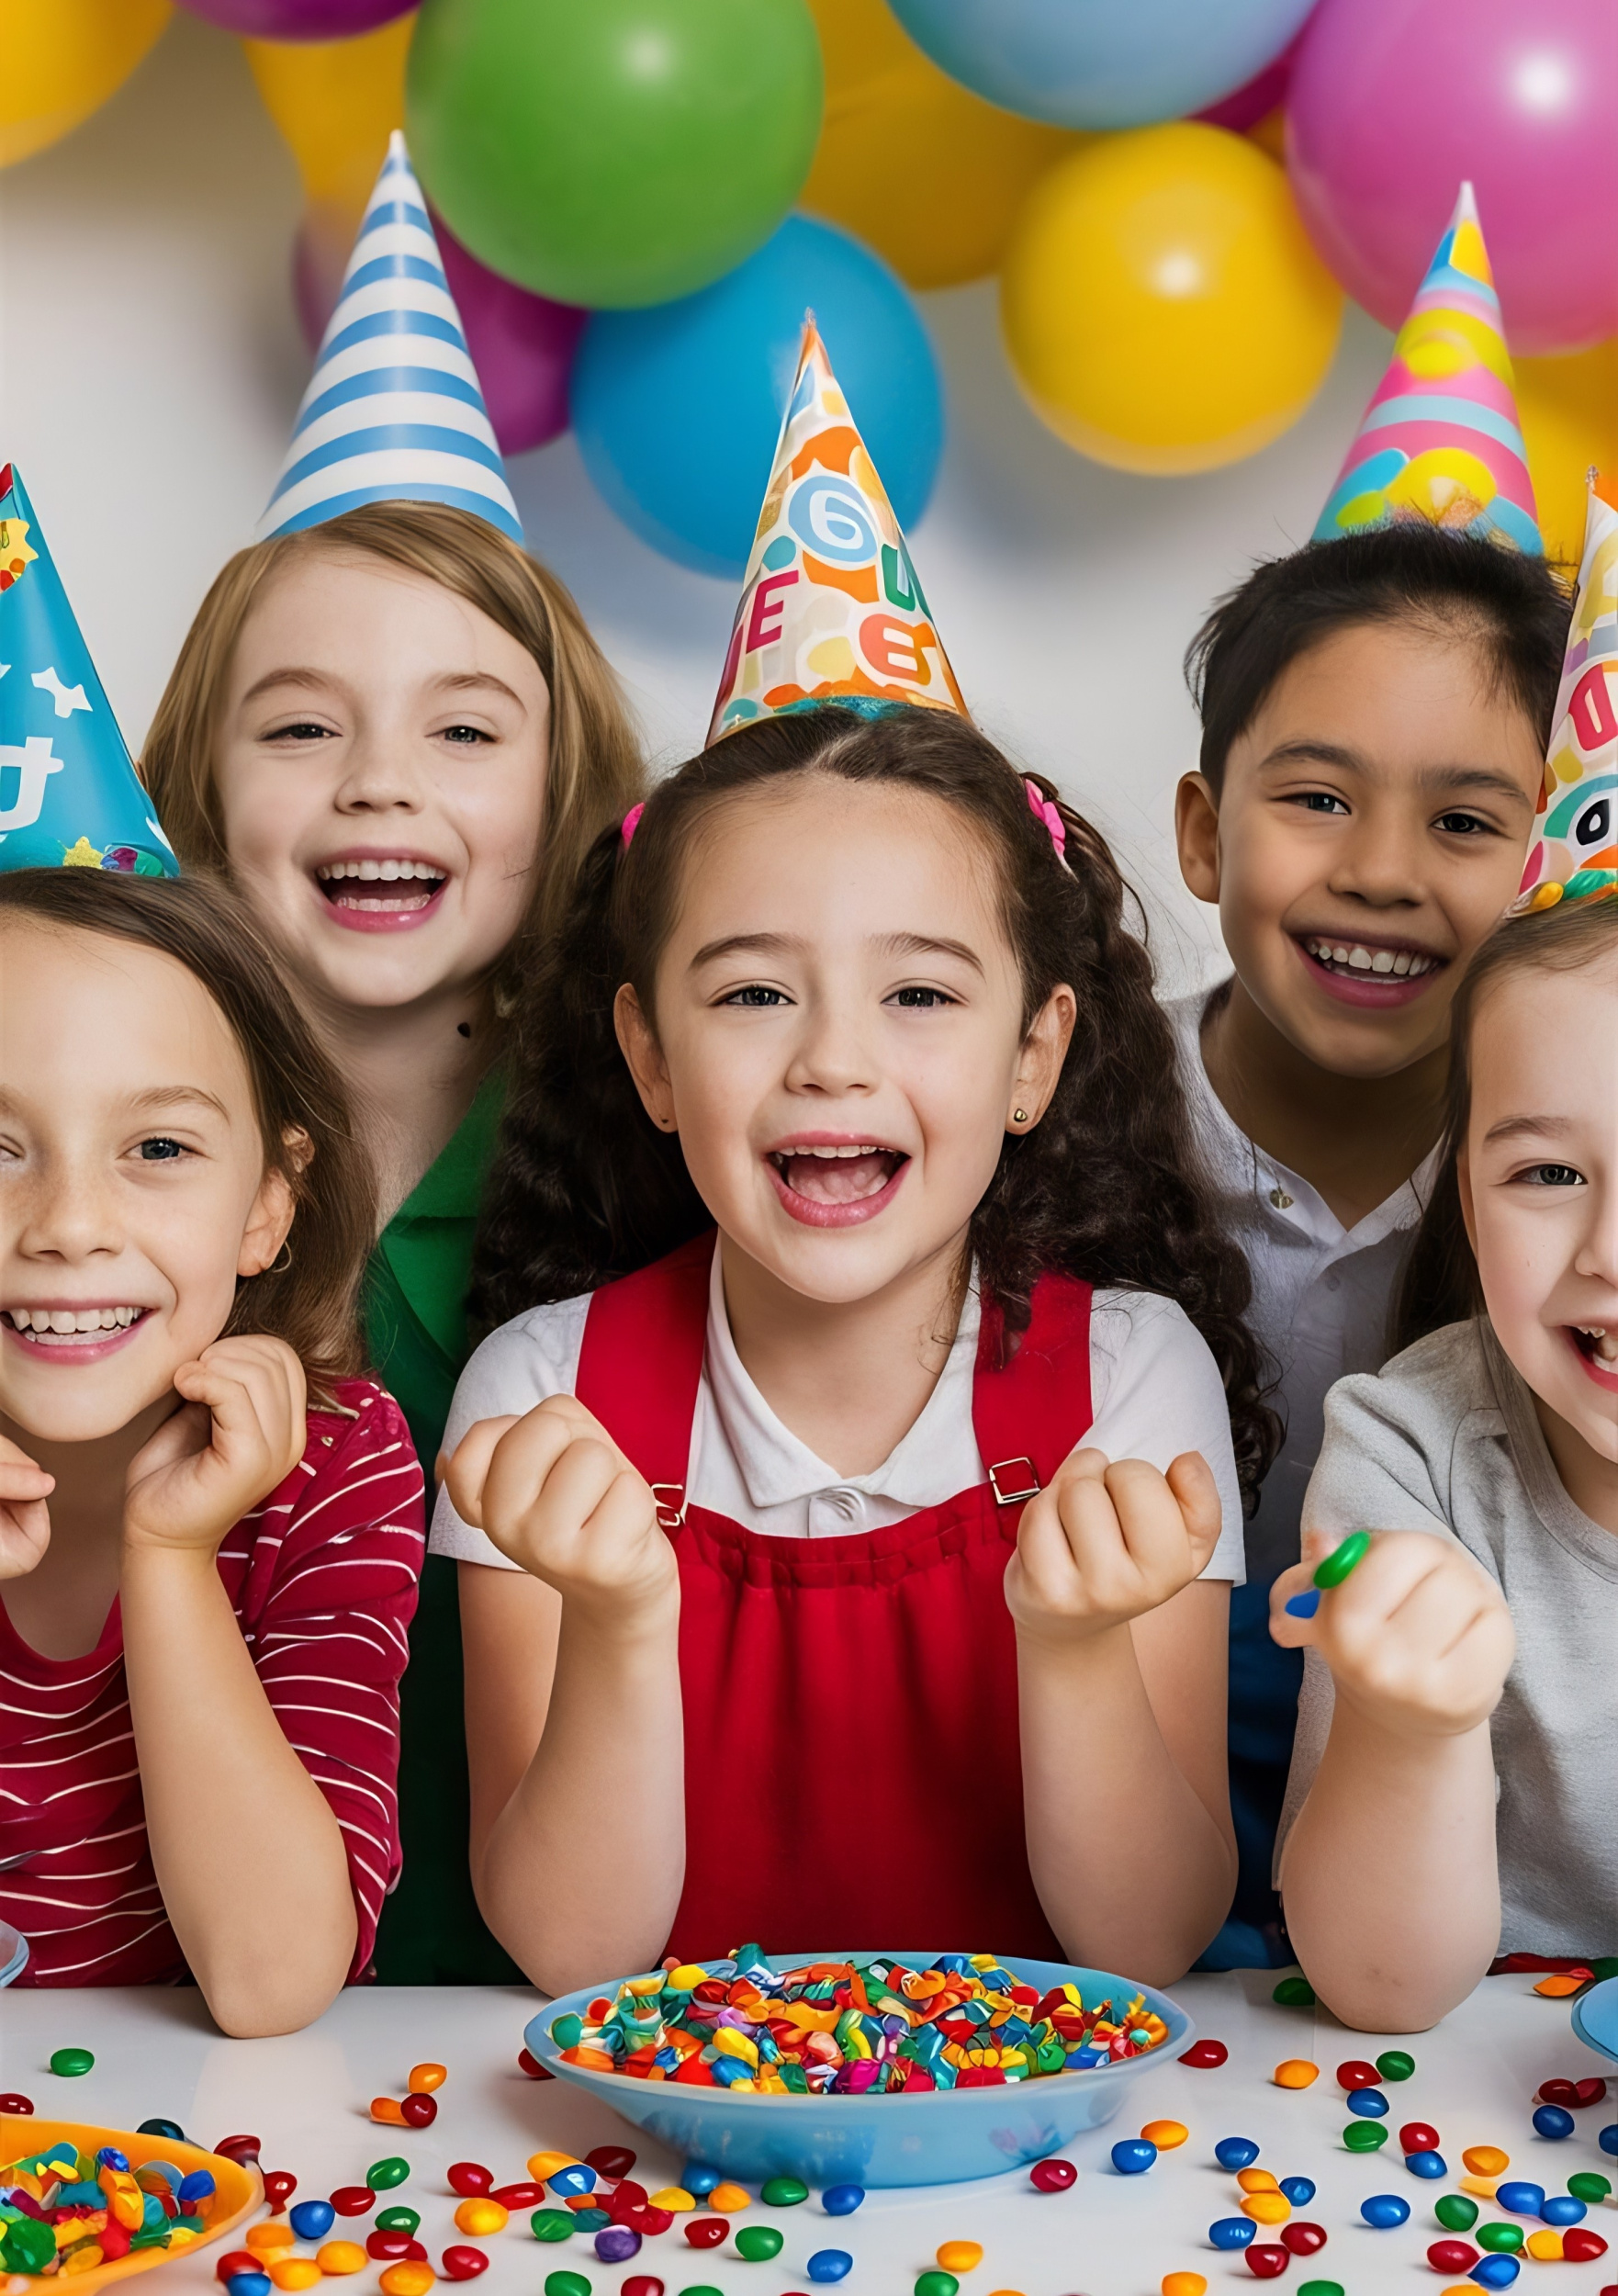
{"x": 1320, "y": 1291}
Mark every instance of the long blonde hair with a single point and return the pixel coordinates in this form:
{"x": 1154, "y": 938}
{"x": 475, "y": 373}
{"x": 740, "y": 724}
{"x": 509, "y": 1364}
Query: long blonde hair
{"x": 595, "y": 771}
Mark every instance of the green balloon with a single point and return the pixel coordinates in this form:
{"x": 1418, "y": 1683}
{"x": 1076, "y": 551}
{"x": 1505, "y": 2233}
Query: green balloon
{"x": 613, "y": 153}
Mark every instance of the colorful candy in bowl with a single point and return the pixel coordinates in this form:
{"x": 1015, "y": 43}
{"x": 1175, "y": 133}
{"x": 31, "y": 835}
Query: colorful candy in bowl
{"x": 867, "y": 2068}
{"x": 91, "y": 2205}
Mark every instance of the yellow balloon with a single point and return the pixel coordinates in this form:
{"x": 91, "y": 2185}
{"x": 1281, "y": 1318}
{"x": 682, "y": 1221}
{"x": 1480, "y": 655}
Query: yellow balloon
{"x": 60, "y": 60}
{"x": 911, "y": 161}
{"x": 336, "y": 102}
{"x": 1161, "y": 306}
{"x": 1568, "y": 410}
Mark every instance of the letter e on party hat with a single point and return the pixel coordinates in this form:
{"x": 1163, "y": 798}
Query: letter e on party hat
{"x": 1441, "y": 439}
{"x": 1573, "y": 854}
{"x": 68, "y": 792}
{"x": 831, "y": 609}
{"x": 394, "y": 412}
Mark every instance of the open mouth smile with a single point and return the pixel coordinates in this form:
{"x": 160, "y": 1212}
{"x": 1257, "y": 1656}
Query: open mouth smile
{"x": 830, "y": 1183}
{"x": 72, "y": 1335}
{"x": 374, "y": 893}
{"x": 1374, "y": 972}
{"x": 1596, "y": 1346}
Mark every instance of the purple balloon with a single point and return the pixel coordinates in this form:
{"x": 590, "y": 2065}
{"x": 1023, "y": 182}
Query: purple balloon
{"x": 1247, "y": 104}
{"x": 1394, "y": 102}
{"x": 299, "y": 20}
{"x": 522, "y": 345}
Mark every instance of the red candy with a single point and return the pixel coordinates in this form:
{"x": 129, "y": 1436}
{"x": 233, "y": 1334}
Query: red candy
{"x": 1572, "y": 2095}
{"x": 389, "y": 2248}
{"x": 1417, "y": 2136}
{"x": 529, "y": 2063}
{"x": 649, "y": 2222}
{"x": 463, "y": 2264}
{"x": 706, "y": 2232}
{"x": 518, "y": 2196}
{"x": 1266, "y": 2260}
{"x": 611, "y": 2160}
{"x": 15, "y": 2102}
{"x": 353, "y": 2199}
{"x": 1581, "y": 2245}
{"x": 1302, "y": 2237}
{"x": 238, "y": 2260}
{"x": 241, "y": 2149}
{"x": 629, "y": 2194}
{"x": 1205, "y": 2054}
{"x": 1054, "y": 2175}
{"x": 642, "y": 2284}
{"x": 279, "y": 2187}
{"x": 118, "y": 2245}
{"x": 1452, "y": 2256}
{"x": 1357, "y": 2073}
{"x": 420, "y": 2111}
{"x": 469, "y": 2178}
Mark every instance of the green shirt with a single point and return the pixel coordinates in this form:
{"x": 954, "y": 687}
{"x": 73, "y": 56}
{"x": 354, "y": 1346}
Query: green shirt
{"x": 432, "y": 1933}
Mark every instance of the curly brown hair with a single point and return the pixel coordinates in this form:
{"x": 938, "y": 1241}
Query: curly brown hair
{"x": 1106, "y": 1188}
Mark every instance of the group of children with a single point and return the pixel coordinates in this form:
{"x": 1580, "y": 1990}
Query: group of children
{"x": 919, "y": 1367}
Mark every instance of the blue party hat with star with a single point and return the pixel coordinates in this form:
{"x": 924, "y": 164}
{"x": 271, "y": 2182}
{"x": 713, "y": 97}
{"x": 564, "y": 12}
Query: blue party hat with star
{"x": 393, "y": 413}
{"x": 68, "y": 792}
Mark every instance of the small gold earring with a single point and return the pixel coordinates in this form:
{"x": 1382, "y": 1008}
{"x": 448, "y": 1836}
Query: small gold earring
{"x": 1019, "y": 1116}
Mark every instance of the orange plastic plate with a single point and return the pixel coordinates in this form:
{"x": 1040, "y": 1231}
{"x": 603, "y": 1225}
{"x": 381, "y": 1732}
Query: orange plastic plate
{"x": 237, "y": 2192}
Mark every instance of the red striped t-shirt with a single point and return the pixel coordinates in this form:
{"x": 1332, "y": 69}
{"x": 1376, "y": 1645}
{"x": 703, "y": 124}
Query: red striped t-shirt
{"x": 322, "y": 1577}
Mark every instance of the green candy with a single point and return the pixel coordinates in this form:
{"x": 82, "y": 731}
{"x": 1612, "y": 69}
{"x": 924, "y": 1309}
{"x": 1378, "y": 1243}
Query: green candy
{"x": 937, "y": 2284}
{"x": 1587, "y": 2187}
{"x": 1366, "y": 2136}
{"x": 28, "y": 2246}
{"x": 565, "y": 2284}
{"x": 759, "y": 2243}
{"x": 1396, "y": 2065}
{"x": 1295, "y": 1993}
{"x": 1341, "y": 1559}
{"x": 784, "y": 2193}
{"x": 68, "y": 2064}
{"x": 701, "y": 2289}
{"x": 552, "y": 2223}
{"x": 1455, "y": 2212}
{"x": 399, "y": 2220}
{"x": 567, "y": 2031}
{"x": 1321, "y": 2287}
{"x": 1501, "y": 2239}
{"x": 383, "y": 2175}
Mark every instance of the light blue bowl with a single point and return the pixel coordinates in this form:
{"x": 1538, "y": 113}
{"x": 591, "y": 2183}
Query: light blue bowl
{"x": 1595, "y": 2017}
{"x": 14, "y": 1953}
{"x": 940, "y": 2136}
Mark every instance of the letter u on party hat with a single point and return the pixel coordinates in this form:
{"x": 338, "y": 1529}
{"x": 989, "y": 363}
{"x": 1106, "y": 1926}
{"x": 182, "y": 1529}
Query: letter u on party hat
{"x": 68, "y": 793}
{"x": 831, "y": 609}
{"x": 393, "y": 413}
{"x": 1573, "y": 855}
{"x": 1441, "y": 439}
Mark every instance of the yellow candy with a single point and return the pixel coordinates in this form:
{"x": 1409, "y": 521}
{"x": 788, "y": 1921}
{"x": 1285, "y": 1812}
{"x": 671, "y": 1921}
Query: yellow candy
{"x": 1481, "y": 2188}
{"x": 1267, "y": 2208}
{"x": 1257, "y": 2180}
{"x": 686, "y": 1978}
{"x": 1296, "y": 2073}
{"x": 1546, "y": 2245}
{"x": 407, "y": 2280}
{"x": 83, "y": 2259}
{"x": 180, "y": 2238}
{"x": 1486, "y": 2160}
{"x": 727, "y": 2200}
{"x": 1166, "y": 2134}
{"x": 294, "y": 2273}
{"x": 1183, "y": 2284}
{"x": 730, "y": 2044}
{"x": 478, "y": 2217}
{"x": 675, "y": 2197}
{"x": 961, "y": 2256}
{"x": 342, "y": 2255}
{"x": 425, "y": 2078}
{"x": 273, "y": 2232}
{"x": 542, "y": 2166}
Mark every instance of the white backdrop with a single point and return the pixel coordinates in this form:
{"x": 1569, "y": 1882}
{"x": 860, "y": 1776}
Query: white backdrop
{"x": 152, "y": 363}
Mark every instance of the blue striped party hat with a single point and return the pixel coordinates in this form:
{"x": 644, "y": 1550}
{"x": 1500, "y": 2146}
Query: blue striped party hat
{"x": 393, "y": 413}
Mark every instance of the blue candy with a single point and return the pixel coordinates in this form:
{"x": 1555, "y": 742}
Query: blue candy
{"x": 1133, "y": 2156}
{"x": 1519, "y": 2199}
{"x": 1300, "y": 2191}
{"x": 1426, "y": 2165}
{"x": 1608, "y": 2139}
{"x": 1369, "y": 2103}
{"x": 161, "y": 2128}
{"x": 249, "y": 2284}
{"x": 196, "y": 2187}
{"x": 110, "y": 2157}
{"x": 579, "y": 2177}
{"x": 1080, "y": 2060}
{"x": 1552, "y": 2121}
{"x": 1235, "y": 2152}
{"x": 842, "y": 2199}
{"x": 1563, "y": 2209}
{"x": 1496, "y": 2271}
{"x": 827, "y": 2264}
{"x": 1232, "y": 2232}
{"x": 311, "y": 2219}
{"x": 697, "y": 2181}
{"x": 1384, "y": 2209}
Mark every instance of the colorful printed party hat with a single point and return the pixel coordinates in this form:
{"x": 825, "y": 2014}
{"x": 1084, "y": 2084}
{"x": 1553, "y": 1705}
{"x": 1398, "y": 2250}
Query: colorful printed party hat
{"x": 393, "y": 413}
{"x": 68, "y": 793}
{"x": 1573, "y": 855}
{"x": 1441, "y": 439}
{"x": 831, "y": 609}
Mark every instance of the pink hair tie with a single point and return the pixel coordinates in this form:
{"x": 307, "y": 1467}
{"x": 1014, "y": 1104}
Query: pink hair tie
{"x": 632, "y": 823}
{"x": 1040, "y": 806}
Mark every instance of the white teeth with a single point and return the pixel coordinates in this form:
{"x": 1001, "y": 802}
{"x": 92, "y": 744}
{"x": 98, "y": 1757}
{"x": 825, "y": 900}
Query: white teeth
{"x": 1397, "y": 963}
{"x": 869, "y": 1149}
{"x": 62, "y": 1323}
{"x": 388, "y": 871}
{"x": 1383, "y": 960}
{"x": 1401, "y": 963}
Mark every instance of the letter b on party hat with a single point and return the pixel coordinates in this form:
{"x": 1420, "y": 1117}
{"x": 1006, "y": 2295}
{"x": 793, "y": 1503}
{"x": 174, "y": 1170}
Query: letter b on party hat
{"x": 831, "y": 608}
{"x": 68, "y": 792}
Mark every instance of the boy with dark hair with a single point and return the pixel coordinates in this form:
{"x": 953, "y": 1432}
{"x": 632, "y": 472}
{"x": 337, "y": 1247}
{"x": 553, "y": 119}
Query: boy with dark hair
{"x": 1375, "y": 710}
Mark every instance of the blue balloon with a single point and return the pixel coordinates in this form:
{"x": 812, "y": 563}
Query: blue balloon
{"x": 677, "y": 408}
{"x": 1102, "y": 63}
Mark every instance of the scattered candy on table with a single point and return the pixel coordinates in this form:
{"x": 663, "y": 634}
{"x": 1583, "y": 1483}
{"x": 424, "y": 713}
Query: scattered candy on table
{"x": 1296, "y": 2073}
{"x": 69, "y": 2064}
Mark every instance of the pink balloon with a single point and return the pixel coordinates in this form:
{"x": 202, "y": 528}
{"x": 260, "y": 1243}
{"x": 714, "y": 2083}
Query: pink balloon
{"x": 522, "y": 345}
{"x": 1246, "y": 106}
{"x": 1394, "y": 102}
{"x": 299, "y": 20}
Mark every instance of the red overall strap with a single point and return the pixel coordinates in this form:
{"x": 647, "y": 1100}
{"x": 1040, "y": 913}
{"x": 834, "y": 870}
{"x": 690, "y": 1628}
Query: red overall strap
{"x": 641, "y": 1364}
{"x": 1030, "y": 1414}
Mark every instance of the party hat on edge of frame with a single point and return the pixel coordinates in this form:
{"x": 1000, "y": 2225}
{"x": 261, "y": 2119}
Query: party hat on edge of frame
{"x": 831, "y": 609}
{"x": 1573, "y": 853}
{"x": 394, "y": 412}
{"x": 69, "y": 794}
{"x": 1441, "y": 439}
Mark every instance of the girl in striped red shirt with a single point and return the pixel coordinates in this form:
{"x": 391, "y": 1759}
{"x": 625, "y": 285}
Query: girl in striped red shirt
{"x": 210, "y": 1527}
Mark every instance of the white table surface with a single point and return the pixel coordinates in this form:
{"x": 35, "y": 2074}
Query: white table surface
{"x": 308, "y": 2096}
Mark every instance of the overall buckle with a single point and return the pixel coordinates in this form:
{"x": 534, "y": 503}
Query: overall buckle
{"x": 1030, "y": 1486}
{"x": 670, "y": 1499}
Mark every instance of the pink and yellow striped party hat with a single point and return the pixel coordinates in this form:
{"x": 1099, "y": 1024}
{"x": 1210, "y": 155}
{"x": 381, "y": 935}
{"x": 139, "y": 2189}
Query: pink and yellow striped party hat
{"x": 1441, "y": 439}
{"x": 1573, "y": 853}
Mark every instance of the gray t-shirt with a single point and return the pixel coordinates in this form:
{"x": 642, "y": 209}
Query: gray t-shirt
{"x": 1445, "y": 1439}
